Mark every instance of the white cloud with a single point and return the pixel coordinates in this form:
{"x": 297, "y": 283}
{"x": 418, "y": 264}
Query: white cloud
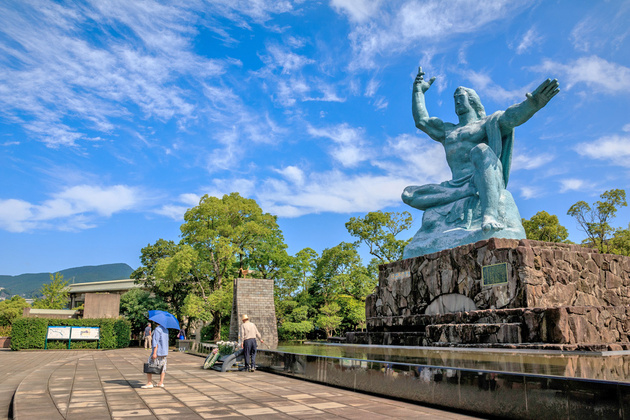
{"x": 384, "y": 28}
{"x": 287, "y": 61}
{"x": 615, "y": 149}
{"x": 292, "y": 174}
{"x": 349, "y": 145}
{"x": 531, "y": 192}
{"x": 59, "y": 79}
{"x": 592, "y": 73}
{"x": 573, "y": 184}
{"x": 487, "y": 88}
{"x": 524, "y": 161}
{"x": 73, "y": 208}
{"x": 530, "y": 39}
{"x": 15, "y": 215}
{"x": 357, "y": 10}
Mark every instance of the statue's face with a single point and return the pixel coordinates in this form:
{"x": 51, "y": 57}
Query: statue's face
{"x": 462, "y": 104}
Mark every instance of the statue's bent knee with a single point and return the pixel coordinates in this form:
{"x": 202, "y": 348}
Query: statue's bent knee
{"x": 483, "y": 155}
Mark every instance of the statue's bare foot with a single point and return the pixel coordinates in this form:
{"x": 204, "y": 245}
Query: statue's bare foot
{"x": 490, "y": 222}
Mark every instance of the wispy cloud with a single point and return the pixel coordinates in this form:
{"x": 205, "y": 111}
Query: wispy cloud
{"x": 530, "y": 39}
{"x": 385, "y": 28}
{"x": 529, "y": 192}
{"x": 594, "y": 73}
{"x": 614, "y": 148}
{"x": 74, "y": 208}
{"x": 349, "y": 146}
{"x": 574, "y": 184}
{"x": 52, "y": 72}
{"x": 525, "y": 161}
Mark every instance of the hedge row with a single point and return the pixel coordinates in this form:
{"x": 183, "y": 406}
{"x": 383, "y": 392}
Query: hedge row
{"x": 30, "y": 333}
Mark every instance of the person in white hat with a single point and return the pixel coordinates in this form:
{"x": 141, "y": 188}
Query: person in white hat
{"x": 248, "y": 333}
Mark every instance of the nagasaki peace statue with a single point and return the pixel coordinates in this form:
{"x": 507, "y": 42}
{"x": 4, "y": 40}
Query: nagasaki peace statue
{"x": 474, "y": 205}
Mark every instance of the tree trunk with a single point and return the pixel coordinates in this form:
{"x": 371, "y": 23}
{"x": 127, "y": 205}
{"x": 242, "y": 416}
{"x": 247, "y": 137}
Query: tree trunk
{"x": 217, "y": 326}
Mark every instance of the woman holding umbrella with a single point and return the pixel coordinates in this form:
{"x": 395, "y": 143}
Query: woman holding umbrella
{"x": 160, "y": 343}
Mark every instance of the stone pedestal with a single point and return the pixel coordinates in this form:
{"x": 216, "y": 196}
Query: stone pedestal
{"x": 530, "y": 292}
{"x": 254, "y": 297}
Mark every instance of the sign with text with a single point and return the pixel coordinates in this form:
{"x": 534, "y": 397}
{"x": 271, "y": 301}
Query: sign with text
{"x": 493, "y": 275}
{"x": 85, "y": 333}
{"x": 399, "y": 276}
{"x": 58, "y": 333}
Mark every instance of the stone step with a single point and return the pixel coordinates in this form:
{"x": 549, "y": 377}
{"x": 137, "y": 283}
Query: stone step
{"x": 475, "y": 333}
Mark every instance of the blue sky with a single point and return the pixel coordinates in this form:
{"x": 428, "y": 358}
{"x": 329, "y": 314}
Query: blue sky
{"x": 117, "y": 116}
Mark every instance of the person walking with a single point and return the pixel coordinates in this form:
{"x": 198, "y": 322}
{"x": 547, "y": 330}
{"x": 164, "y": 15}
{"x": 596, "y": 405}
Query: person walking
{"x": 147, "y": 336}
{"x": 158, "y": 354}
{"x": 248, "y": 333}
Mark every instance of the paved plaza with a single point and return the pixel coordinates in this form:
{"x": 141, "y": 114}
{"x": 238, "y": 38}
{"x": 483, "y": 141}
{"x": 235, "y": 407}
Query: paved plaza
{"x": 98, "y": 385}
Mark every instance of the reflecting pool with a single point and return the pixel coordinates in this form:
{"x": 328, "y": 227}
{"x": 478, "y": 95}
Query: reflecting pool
{"x": 512, "y": 384}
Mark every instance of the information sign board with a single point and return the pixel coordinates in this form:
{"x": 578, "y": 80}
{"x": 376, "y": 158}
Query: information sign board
{"x": 85, "y": 333}
{"x": 58, "y": 333}
{"x": 493, "y": 275}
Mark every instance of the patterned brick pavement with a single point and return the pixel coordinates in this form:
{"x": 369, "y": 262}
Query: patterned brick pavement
{"x": 106, "y": 385}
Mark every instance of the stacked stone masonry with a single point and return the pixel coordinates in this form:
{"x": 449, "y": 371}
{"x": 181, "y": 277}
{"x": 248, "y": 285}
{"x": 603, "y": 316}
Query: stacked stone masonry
{"x": 254, "y": 297}
{"x": 557, "y": 294}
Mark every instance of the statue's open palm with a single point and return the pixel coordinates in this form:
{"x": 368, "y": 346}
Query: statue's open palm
{"x": 543, "y": 93}
{"x": 420, "y": 84}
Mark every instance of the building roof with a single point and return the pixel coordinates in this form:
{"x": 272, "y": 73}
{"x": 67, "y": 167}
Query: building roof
{"x": 103, "y": 286}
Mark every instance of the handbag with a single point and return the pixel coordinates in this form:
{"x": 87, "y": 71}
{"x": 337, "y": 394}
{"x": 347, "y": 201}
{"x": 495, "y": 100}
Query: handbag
{"x": 153, "y": 368}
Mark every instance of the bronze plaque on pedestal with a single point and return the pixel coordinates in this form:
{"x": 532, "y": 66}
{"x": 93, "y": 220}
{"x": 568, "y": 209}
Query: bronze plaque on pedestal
{"x": 492, "y": 275}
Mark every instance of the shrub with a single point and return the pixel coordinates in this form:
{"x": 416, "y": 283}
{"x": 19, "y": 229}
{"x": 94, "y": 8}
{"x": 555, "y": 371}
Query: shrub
{"x": 30, "y": 333}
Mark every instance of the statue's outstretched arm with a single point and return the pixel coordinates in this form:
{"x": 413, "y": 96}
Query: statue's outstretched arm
{"x": 434, "y": 127}
{"x": 520, "y": 113}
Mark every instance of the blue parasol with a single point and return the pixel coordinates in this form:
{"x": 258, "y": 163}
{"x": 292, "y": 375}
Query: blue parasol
{"x": 165, "y": 319}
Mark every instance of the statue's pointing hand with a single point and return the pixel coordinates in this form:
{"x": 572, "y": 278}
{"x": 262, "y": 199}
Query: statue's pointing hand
{"x": 543, "y": 93}
{"x": 420, "y": 84}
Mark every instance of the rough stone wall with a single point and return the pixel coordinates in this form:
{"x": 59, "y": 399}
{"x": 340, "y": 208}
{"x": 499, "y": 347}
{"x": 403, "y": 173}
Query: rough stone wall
{"x": 539, "y": 274}
{"x": 254, "y": 297}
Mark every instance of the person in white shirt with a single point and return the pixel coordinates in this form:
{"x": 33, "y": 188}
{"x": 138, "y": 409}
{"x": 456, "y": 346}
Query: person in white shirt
{"x": 248, "y": 333}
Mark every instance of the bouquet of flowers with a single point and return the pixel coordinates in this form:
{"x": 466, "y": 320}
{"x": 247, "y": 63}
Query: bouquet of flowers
{"x": 227, "y": 347}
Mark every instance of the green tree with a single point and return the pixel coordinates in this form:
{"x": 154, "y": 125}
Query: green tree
{"x": 11, "y": 309}
{"x": 162, "y": 274}
{"x": 135, "y": 305}
{"x": 378, "y": 230}
{"x": 594, "y": 221}
{"x": 226, "y": 234}
{"x": 328, "y": 318}
{"x": 620, "y": 242}
{"x": 340, "y": 271}
{"x": 294, "y": 320}
{"x": 545, "y": 227}
{"x": 54, "y": 294}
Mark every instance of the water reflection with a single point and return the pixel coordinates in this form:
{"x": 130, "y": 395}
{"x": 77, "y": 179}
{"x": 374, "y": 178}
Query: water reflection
{"x": 516, "y": 395}
{"x": 547, "y": 363}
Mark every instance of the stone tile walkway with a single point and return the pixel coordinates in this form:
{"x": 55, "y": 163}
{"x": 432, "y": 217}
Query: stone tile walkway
{"x": 106, "y": 385}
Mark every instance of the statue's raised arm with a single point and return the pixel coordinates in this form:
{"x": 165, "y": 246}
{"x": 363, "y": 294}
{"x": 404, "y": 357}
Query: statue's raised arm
{"x": 434, "y": 127}
{"x": 520, "y": 113}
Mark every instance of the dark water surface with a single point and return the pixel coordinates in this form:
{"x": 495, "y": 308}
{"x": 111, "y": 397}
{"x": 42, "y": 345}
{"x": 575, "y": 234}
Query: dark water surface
{"x": 591, "y": 366}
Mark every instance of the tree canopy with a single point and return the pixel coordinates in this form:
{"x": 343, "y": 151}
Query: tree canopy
{"x": 595, "y": 221}
{"x": 545, "y": 227}
{"x": 54, "y": 294}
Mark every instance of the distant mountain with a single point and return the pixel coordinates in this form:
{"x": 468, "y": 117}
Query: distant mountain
{"x": 28, "y": 285}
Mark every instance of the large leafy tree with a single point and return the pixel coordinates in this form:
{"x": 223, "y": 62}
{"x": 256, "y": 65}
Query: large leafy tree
{"x": 11, "y": 309}
{"x": 620, "y": 242}
{"x": 595, "y": 221}
{"x": 135, "y": 305}
{"x": 161, "y": 263}
{"x": 545, "y": 227}
{"x": 378, "y": 230}
{"x": 54, "y": 294}
{"x": 226, "y": 234}
{"x": 340, "y": 271}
